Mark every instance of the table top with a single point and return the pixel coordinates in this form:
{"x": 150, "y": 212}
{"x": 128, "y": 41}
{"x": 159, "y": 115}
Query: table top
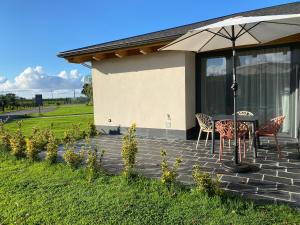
{"x": 239, "y": 118}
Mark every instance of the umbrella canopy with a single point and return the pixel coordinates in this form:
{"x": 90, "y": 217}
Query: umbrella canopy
{"x": 247, "y": 31}
{"x": 232, "y": 32}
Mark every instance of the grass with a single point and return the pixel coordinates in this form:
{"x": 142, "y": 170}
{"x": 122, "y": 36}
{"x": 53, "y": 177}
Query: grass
{"x": 37, "y": 193}
{"x": 68, "y": 110}
{"x": 60, "y": 124}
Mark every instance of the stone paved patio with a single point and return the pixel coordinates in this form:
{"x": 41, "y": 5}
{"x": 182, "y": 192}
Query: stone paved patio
{"x": 276, "y": 181}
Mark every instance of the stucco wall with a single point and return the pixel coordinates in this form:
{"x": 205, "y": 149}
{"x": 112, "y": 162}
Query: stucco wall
{"x": 144, "y": 89}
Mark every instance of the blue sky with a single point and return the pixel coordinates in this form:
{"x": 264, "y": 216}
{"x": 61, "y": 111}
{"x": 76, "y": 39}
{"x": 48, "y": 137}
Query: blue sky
{"x": 34, "y": 31}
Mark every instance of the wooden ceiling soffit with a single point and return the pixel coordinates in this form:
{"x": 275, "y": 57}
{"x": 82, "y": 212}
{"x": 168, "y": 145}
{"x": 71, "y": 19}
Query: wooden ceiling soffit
{"x": 121, "y": 54}
{"x": 146, "y": 50}
{"x": 99, "y": 57}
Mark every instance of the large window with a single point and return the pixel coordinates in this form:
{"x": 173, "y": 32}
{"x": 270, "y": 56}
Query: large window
{"x": 264, "y": 78}
{"x": 213, "y": 80}
{"x": 265, "y": 84}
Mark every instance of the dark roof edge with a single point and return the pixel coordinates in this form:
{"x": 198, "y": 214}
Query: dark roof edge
{"x": 115, "y": 44}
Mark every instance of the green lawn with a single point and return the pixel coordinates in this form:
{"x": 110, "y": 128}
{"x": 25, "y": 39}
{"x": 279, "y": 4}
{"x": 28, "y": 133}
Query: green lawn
{"x": 37, "y": 193}
{"x": 68, "y": 110}
{"x": 60, "y": 124}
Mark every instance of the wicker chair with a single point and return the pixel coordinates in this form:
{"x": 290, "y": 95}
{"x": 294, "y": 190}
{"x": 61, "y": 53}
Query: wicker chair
{"x": 271, "y": 129}
{"x": 205, "y": 125}
{"x": 226, "y": 131}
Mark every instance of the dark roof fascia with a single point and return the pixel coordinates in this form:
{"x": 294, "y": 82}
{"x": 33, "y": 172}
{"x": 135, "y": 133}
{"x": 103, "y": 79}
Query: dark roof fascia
{"x": 148, "y": 38}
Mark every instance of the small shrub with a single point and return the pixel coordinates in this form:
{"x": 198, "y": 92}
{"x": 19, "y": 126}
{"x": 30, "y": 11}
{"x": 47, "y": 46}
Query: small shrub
{"x": 32, "y": 149}
{"x": 169, "y": 175}
{"x": 52, "y": 149}
{"x": 4, "y": 137}
{"x": 73, "y": 159}
{"x": 18, "y": 143}
{"x": 94, "y": 160}
{"x": 92, "y": 130}
{"x": 129, "y": 151}
{"x": 40, "y": 138}
{"x": 205, "y": 183}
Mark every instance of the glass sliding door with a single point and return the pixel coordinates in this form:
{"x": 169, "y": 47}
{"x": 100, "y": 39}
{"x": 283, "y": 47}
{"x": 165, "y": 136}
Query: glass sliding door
{"x": 264, "y": 78}
{"x": 213, "y": 85}
{"x": 266, "y": 84}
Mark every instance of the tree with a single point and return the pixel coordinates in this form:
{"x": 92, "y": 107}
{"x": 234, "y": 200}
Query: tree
{"x": 87, "y": 90}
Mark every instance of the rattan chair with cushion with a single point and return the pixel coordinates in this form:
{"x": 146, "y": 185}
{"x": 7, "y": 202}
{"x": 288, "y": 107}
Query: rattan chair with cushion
{"x": 271, "y": 129}
{"x": 205, "y": 125}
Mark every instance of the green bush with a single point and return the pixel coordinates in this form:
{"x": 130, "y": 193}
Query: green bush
{"x": 205, "y": 183}
{"x": 169, "y": 175}
{"x": 129, "y": 151}
{"x": 4, "y": 137}
{"x": 92, "y": 130}
{"x": 74, "y": 133}
{"x": 52, "y": 148}
{"x": 32, "y": 149}
{"x": 94, "y": 160}
{"x": 40, "y": 138}
{"x": 17, "y": 142}
{"x": 73, "y": 159}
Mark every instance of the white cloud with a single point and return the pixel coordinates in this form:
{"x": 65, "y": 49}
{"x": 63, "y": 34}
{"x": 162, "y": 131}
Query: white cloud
{"x": 37, "y": 80}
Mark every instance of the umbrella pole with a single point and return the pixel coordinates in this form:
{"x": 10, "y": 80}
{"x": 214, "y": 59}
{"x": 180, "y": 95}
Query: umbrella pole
{"x": 235, "y": 166}
{"x": 234, "y": 87}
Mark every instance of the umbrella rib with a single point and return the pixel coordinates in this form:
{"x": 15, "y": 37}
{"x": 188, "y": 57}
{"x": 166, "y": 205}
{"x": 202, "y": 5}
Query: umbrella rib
{"x": 207, "y": 42}
{"x": 248, "y": 31}
{"x": 223, "y": 28}
{"x": 243, "y": 28}
{"x": 219, "y": 34}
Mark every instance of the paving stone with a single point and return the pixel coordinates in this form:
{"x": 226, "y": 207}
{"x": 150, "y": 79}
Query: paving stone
{"x": 295, "y": 197}
{"x": 289, "y": 188}
{"x": 259, "y": 199}
{"x": 274, "y": 194}
{"x": 234, "y": 179}
{"x": 265, "y": 185}
{"x": 289, "y": 175}
{"x": 242, "y": 187}
{"x": 278, "y": 179}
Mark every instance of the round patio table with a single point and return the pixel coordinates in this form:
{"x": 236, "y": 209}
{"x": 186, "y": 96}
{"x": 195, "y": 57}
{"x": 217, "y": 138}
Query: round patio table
{"x": 248, "y": 119}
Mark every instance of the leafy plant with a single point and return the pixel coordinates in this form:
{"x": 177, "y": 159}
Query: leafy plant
{"x": 92, "y": 129}
{"x": 32, "y": 149}
{"x": 94, "y": 160}
{"x": 52, "y": 148}
{"x": 4, "y": 137}
{"x": 169, "y": 174}
{"x": 129, "y": 150}
{"x": 17, "y": 142}
{"x": 40, "y": 137}
{"x": 205, "y": 183}
{"x": 73, "y": 159}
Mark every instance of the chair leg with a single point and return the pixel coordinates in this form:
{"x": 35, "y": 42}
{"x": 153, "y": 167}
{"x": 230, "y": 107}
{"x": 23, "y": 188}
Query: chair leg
{"x": 221, "y": 149}
{"x": 206, "y": 138}
{"x": 240, "y": 153}
{"x": 250, "y": 139}
{"x": 198, "y": 138}
{"x": 244, "y": 140}
{"x": 278, "y": 147}
{"x": 229, "y": 143}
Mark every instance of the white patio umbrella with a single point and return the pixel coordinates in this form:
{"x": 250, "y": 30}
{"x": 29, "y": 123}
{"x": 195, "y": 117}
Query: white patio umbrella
{"x": 232, "y": 32}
